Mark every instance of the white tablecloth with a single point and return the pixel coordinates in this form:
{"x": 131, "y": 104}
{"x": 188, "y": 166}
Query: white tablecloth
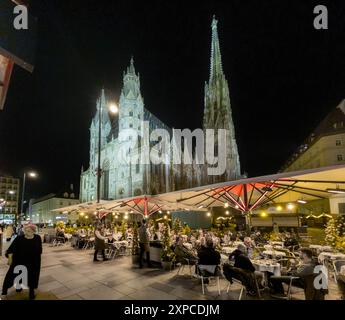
{"x": 267, "y": 266}
{"x": 342, "y": 270}
{"x": 274, "y": 253}
{"x": 224, "y": 258}
{"x": 228, "y": 250}
{"x": 119, "y": 244}
{"x": 331, "y": 256}
{"x": 320, "y": 248}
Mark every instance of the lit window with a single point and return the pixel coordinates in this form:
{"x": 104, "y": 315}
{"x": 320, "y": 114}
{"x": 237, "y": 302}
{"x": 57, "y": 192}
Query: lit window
{"x": 340, "y": 157}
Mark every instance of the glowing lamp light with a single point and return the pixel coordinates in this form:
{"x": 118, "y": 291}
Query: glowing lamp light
{"x": 116, "y": 217}
{"x": 279, "y": 208}
{"x": 301, "y": 201}
{"x": 236, "y": 207}
{"x": 263, "y": 214}
{"x": 160, "y": 211}
{"x": 95, "y": 213}
{"x": 32, "y": 174}
{"x": 165, "y": 217}
{"x": 113, "y": 108}
{"x": 126, "y": 217}
{"x": 82, "y": 214}
{"x": 290, "y": 206}
{"x": 337, "y": 190}
{"x": 113, "y": 213}
{"x": 200, "y": 206}
{"x": 86, "y": 217}
{"x": 168, "y": 212}
{"x": 227, "y": 212}
{"x": 11, "y": 192}
{"x": 226, "y": 205}
{"x": 208, "y": 214}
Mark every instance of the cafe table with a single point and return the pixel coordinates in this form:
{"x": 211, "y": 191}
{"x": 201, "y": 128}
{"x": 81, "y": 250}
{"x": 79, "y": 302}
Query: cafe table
{"x": 267, "y": 266}
{"x": 323, "y": 256}
{"x": 274, "y": 253}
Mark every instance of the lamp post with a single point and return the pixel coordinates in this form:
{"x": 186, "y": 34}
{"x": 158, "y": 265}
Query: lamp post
{"x": 113, "y": 109}
{"x": 30, "y": 174}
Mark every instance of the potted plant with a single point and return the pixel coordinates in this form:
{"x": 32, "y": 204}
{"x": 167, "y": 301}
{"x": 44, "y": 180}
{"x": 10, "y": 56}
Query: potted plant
{"x": 135, "y": 244}
{"x": 167, "y": 254}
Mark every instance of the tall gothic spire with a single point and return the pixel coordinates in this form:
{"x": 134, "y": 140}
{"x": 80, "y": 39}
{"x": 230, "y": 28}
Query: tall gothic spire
{"x": 131, "y": 69}
{"x": 216, "y": 59}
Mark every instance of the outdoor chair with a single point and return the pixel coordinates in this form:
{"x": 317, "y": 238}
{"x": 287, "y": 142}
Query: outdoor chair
{"x": 243, "y": 288}
{"x": 182, "y": 262}
{"x": 58, "y": 241}
{"x": 240, "y": 276}
{"x": 112, "y": 252}
{"x": 208, "y": 272}
{"x": 289, "y": 280}
{"x": 285, "y": 265}
{"x": 337, "y": 264}
{"x": 89, "y": 243}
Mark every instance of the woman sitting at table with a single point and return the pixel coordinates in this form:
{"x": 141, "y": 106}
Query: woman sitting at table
{"x": 183, "y": 253}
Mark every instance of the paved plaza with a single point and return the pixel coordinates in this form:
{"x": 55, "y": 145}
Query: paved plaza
{"x": 70, "y": 274}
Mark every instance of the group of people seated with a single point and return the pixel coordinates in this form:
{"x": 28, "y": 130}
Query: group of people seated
{"x": 203, "y": 250}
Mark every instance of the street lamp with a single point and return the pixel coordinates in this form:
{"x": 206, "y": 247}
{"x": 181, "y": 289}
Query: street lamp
{"x": 113, "y": 109}
{"x": 30, "y": 174}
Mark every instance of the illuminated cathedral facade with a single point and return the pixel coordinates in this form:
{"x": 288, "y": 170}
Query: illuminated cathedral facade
{"x": 121, "y": 179}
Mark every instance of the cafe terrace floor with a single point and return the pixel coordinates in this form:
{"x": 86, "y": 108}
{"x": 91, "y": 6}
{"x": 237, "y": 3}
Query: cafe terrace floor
{"x": 70, "y": 274}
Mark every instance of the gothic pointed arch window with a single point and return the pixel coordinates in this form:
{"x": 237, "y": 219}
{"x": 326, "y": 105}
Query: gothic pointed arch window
{"x": 105, "y": 179}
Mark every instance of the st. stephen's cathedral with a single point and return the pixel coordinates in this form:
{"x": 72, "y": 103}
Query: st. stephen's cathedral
{"x": 120, "y": 179}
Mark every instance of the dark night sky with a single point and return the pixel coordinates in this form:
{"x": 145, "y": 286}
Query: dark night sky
{"x": 284, "y": 76}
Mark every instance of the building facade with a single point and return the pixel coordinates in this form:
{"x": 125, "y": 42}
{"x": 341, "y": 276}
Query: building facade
{"x": 40, "y": 210}
{"x": 9, "y": 198}
{"x": 325, "y": 146}
{"x": 124, "y": 171}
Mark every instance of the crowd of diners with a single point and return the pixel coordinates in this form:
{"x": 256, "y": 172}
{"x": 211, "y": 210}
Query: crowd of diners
{"x": 204, "y": 248}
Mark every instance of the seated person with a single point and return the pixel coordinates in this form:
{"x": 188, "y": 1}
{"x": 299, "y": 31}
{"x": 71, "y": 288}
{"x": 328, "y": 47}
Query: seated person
{"x": 182, "y": 253}
{"x": 243, "y": 262}
{"x": 250, "y": 246}
{"x": 60, "y": 234}
{"x": 111, "y": 239}
{"x": 306, "y": 268}
{"x": 290, "y": 241}
{"x": 208, "y": 256}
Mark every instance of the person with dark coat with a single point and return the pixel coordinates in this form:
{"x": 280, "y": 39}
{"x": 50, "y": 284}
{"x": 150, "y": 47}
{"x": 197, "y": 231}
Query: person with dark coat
{"x": 25, "y": 251}
{"x": 144, "y": 244}
{"x": 248, "y": 273}
{"x": 208, "y": 256}
{"x": 182, "y": 253}
{"x": 100, "y": 244}
{"x": 241, "y": 259}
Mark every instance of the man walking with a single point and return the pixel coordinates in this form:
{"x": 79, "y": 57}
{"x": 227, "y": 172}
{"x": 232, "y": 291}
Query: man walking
{"x": 144, "y": 244}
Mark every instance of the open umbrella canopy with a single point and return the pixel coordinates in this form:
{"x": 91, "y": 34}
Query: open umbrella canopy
{"x": 248, "y": 194}
{"x": 244, "y": 195}
{"x": 145, "y": 205}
